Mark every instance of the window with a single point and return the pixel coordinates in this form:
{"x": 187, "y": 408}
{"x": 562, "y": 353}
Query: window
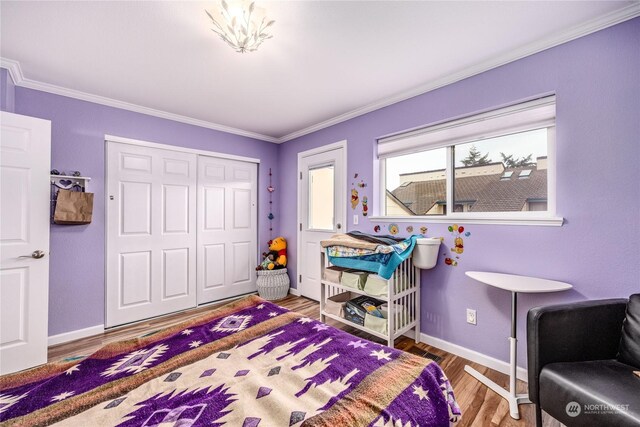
{"x": 321, "y": 198}
{"x": 492, "y": 167}
{"x": 506, "y": 175}
{"x": 525, "y": 174}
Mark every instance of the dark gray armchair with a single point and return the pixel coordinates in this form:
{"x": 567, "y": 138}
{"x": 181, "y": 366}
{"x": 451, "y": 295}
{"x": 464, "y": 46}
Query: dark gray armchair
{"x": 581, "y": 362}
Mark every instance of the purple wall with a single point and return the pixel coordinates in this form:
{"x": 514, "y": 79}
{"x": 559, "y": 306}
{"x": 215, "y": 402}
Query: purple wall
{"x": 7, "y": 91}
{"x": 595, "y": 79}
{"x": 78, "y": 252}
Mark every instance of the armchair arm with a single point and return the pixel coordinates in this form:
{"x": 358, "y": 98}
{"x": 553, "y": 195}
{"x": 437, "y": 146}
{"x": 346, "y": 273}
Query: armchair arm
{"x": 580, "y": 331}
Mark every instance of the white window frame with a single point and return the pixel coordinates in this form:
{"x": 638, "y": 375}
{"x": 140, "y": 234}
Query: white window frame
{"x": 545, "y": 218}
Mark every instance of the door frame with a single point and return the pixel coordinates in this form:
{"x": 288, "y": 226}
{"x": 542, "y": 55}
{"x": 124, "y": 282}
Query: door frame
{"x": 302, "y": 154}
{"x": 141, "y": 143}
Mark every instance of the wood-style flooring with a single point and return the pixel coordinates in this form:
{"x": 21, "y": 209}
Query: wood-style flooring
{"x": 480, "y": 406}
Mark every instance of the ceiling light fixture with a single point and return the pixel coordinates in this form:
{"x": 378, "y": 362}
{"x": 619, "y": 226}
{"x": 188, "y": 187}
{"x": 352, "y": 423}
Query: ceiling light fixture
{"x": 241, "y": 24}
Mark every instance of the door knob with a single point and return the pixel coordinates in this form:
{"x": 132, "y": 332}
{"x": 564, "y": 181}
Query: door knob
{"x": 35, "y": 254}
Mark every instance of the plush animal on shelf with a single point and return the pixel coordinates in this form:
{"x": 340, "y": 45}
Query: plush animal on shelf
{"x": 276, "y": 258}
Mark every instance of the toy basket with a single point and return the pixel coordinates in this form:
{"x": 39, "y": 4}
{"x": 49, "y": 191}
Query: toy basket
{"x": 273, "y": 284}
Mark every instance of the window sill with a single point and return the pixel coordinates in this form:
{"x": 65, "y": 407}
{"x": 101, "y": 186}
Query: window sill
{"x": 529, "y": 220}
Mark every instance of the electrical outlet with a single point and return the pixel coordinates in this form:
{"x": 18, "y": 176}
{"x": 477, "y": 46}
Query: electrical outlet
{"x": 471, "y": 316}
{"x": 355, "y": 220}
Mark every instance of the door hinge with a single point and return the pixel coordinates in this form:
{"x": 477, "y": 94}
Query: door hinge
{"x": 300, "y": 278}
{"x": 300, "y": 175}
{"x": 300, "y": 226}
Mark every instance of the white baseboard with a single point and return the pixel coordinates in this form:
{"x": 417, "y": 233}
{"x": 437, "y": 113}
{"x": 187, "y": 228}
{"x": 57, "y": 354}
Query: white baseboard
{"x": 294, "y": 291}
{"x": 474, "y": 356}
{"x": 75, "y": 335}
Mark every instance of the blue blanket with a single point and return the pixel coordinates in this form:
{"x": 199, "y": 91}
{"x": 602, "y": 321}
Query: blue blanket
{"x": 383, "y": 264}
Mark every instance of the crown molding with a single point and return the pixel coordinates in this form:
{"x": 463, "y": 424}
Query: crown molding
{"x": 573, "y": 33}
{"x": 19, "y": 79}
{"x": 13, "y": 68}
{"x": 597, "y": 24}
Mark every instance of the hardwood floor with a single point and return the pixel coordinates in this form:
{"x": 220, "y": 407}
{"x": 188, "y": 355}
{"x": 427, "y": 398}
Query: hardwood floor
{"x": 480, "y": 406}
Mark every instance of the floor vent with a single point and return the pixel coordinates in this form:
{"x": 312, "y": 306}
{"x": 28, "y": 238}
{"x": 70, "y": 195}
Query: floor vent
{"x": 423, "y": 353}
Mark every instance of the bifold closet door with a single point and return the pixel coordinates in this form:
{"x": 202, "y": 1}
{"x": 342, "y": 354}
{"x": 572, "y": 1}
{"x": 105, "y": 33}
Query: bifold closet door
{"x": 227, "y": 228}
{"x": 151, "y": 232}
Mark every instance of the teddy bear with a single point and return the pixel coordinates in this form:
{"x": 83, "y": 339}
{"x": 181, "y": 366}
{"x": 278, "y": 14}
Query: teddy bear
{"x": 276, "y": 258}
{"x": 278, "y": 245}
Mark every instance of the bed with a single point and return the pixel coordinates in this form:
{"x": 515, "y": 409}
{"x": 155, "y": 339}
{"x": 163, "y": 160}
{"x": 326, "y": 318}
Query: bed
{"x": 249, "y": 363}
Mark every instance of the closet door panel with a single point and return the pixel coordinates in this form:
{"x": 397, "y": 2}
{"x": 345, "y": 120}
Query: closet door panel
{"x": 175, "y": 209}
{"x": 242, "y": 267}
{"x": 227, "y": 228}
{"x": 151, "y": 232}
{"x": 213, "y": 208}
{"x": 214, "y": 259}
{"x": 175, "y": 273}
{"x": 135, "y": 208}
{"x": 241, "y": 208}
{"x": 135, "y": 278}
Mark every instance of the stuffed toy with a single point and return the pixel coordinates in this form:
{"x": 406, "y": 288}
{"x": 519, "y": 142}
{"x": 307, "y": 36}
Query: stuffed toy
{"x": 276, "y": 258}
{"x": 268, "y": 258}
{"x": 278, "y": 245}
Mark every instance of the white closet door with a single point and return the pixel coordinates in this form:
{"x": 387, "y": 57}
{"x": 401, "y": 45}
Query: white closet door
{"x": 151, "y": 232}
{"x": 227, "y": 228}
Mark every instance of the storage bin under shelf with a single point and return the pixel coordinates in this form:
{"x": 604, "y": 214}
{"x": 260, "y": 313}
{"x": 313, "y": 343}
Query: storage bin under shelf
{"x": 403, "y": 290}
{"x": 344, "y": 288}
{"x": 354, "y": 325}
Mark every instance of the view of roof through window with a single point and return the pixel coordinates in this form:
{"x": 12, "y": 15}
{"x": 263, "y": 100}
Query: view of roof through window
{"x": 503, "y": 174}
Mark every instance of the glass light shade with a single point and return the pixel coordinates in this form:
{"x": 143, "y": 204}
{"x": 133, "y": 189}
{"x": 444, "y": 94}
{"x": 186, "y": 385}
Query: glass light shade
{"x": 241, "y": 24}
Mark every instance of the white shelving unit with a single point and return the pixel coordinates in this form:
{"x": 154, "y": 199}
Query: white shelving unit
{"x": 403, "y": 301}
{"x": 68, "y": 182}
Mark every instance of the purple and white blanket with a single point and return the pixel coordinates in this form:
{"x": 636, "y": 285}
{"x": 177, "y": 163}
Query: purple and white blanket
{"x": 249, "y": 363}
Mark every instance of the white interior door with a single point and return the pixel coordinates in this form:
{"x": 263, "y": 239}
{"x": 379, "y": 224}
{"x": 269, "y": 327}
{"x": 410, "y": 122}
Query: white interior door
{"x": 151, "y": 232}
{"x": 322, "y": 192}
{"x": 25, "y": 161}
{"x": 227, "y": 228}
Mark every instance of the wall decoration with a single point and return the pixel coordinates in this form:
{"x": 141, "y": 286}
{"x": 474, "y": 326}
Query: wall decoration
{"x": 409, "y": 229}
{"x": 423, "y": 230}
{"x": 376, "y": 229}
{"x": 270, "y": 189}
{"x": 458, "y": 243}
{"x": 393, "y": 229}
{"x": 354, "y": 198}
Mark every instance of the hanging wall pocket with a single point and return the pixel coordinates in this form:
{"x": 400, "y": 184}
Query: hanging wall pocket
{"x": 73, "y": 207}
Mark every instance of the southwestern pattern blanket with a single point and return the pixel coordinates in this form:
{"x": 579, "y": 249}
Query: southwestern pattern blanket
{"x": 249, "y": 363}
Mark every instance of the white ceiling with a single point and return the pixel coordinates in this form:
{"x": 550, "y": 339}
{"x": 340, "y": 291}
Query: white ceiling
{"x": 328, "y": 60}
